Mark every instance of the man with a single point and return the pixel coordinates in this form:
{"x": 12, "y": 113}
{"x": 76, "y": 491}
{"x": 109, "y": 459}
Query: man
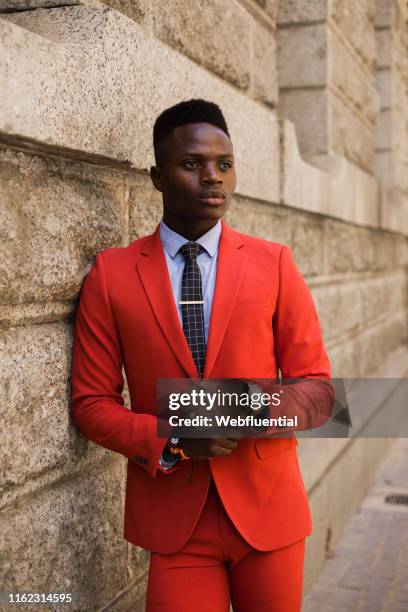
{"x": 224, "y": 518}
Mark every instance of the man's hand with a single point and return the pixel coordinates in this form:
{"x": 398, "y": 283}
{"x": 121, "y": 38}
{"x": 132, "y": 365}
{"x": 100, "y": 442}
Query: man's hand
{"x": 207, "y": 448}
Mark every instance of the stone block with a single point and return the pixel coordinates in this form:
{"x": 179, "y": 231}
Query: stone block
{"x": 340, "y": 309}
{"x": 376, "y": 343}
{"x": 135, "y": 9}
{"x": 353, "y": 81}
{"x": 384, "y": 86}
{"x": 298, "y": 11}
{"x": 49, "y": 206}
{"x": 383, "y": 296}
{"x": 277, "y": 224}
{"x": 145, "y": 207}
{"x": 354, "y": 194}
{"x": 349, "y": 134}
{"x": 400, "y": 251}
{"x": 91, "y": 83}
{"x": 199, "y": 29}
{"x": 308, "y": 111}
{"x": 270, "y": 7}
{"x": 10, "y": 5}
{"x": 264, "y": 69}
{"x": 266, "y": 221}
{"x": 383, "y": 130}
{"x": 383, "y": 42}
{"x": 302, "y": 185}
{"x": 344, "y": 359}
{"x": 65, "y": 540}
{"x": 302, "y": 56}
{"x": 35, "y": 405}
{"x": 308, "y": 245}
{"x": 352, "y": 249}
{"x": 355, "y": 21}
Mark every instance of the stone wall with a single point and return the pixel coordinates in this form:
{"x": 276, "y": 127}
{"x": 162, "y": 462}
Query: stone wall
{"x": 315, "y": 95}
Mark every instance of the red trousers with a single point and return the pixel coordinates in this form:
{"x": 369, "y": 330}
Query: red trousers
{"x": 217, "y": 566}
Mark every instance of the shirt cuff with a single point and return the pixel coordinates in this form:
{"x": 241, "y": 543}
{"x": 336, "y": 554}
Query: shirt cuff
{"x": 167, "y": 463}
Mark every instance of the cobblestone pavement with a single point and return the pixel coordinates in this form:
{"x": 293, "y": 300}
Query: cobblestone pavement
{"x": 368, "y": 570}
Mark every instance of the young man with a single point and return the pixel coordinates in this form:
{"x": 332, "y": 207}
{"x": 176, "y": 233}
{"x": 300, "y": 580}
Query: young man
{"x": 224, "y": 518}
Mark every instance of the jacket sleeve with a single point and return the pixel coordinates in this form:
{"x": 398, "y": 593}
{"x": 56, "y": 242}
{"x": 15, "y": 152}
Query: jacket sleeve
{"x": 97, "y": 382}
{"x": 300, "y": 352}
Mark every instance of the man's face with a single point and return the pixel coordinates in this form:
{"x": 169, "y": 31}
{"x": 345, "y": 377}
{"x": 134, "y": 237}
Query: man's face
{"x": 196, "y": 174}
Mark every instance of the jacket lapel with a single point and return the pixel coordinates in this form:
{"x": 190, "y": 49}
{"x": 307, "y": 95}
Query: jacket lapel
{"x": 152, "y": 267}
{"x": 231, "y": 265}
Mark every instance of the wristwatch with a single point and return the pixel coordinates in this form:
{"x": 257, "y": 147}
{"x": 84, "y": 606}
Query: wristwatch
{"x": 175, "y": 448}
{"x": 261, "y": 412}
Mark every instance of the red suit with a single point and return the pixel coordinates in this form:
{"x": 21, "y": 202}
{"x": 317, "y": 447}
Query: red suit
{"x": 263, "y": 318}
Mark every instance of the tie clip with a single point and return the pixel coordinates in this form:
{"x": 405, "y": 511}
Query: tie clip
{"x": 191, "y": 302}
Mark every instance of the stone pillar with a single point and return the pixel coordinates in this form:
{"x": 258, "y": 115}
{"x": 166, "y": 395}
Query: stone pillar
{"x": 326, "y": 67}
{"x": 391, "y": 158}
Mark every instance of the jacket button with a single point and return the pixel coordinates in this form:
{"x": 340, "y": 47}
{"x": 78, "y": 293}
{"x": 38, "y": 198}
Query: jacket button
{"x": 142, "y": 460}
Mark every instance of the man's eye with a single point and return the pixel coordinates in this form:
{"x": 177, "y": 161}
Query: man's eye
{"x": 190, "y": 163}
{"x": 226, "y": 164}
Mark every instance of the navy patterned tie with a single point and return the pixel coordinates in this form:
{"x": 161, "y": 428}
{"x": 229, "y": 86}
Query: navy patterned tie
{"x": 192, "y": 304}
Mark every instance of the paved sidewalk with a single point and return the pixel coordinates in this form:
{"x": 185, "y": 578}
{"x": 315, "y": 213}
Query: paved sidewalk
{"x": 368, "y": 570}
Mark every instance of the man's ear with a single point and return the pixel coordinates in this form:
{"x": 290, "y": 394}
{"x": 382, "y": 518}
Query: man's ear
{"x": 157, "y": 178}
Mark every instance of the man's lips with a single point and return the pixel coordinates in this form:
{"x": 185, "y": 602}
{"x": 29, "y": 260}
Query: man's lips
{"x": 212, "y": 201}
{"x": 214, "y": 197}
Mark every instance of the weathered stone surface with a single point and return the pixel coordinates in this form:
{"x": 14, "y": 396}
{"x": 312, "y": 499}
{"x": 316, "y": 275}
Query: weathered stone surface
{"x": 354, "y": 194}
{"x": 308, "y": 244}
{"x": 135, "y": 9}
{"x": 302, "y": 233}
{"x": 351, "y": 308}
{"x": 191, "y": 29}
{"x": 355, "y": 22}
{"x": 390, "y": 13}
{"x": 56, "y": 214}
{"x": 95, "y": 63}
{"x": 383, "y": 130}
{"x": 65, "y": 540}
{"x": 383, "y": 296}
{"x": 392, "y": 122}
{"x": 145, "y": 207}
{"x": 270, "y": 7}
{"x": 383, "y": 41}
{"x": 384, "y": 84}
{"x": 32, "y": 4}
{"x": 35, "y": 392}
{"x": 352, "y": 80}
{"x": 344, "y": 359}
{"x": 352, "y": 249}
{"x": 302, "y": 185}
{"x": 400, "y": 251}
{"x": 264, "y": 69}
{"x": 349, "y": 134}
{"x": 296, "y": 11}
{"x": 303, "y": 56}
{"x": 259, "y": 219}
{"x": 308, "y": 111}
{"x": 375, "y": 344}
{"x": 339, "y": 308}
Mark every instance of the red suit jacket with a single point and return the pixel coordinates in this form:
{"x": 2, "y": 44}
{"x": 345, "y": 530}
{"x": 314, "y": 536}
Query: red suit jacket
{"x": 263, "y": 318}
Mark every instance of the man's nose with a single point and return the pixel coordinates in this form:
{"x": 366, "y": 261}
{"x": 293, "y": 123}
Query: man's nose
{"x": 211, "y": 174}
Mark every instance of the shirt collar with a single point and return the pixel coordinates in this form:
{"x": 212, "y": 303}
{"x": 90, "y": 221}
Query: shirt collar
{"x": 172, "y": 241}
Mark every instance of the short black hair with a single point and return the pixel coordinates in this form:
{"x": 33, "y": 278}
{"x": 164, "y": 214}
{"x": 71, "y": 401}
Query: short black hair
{"x": 195, "y": 110}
